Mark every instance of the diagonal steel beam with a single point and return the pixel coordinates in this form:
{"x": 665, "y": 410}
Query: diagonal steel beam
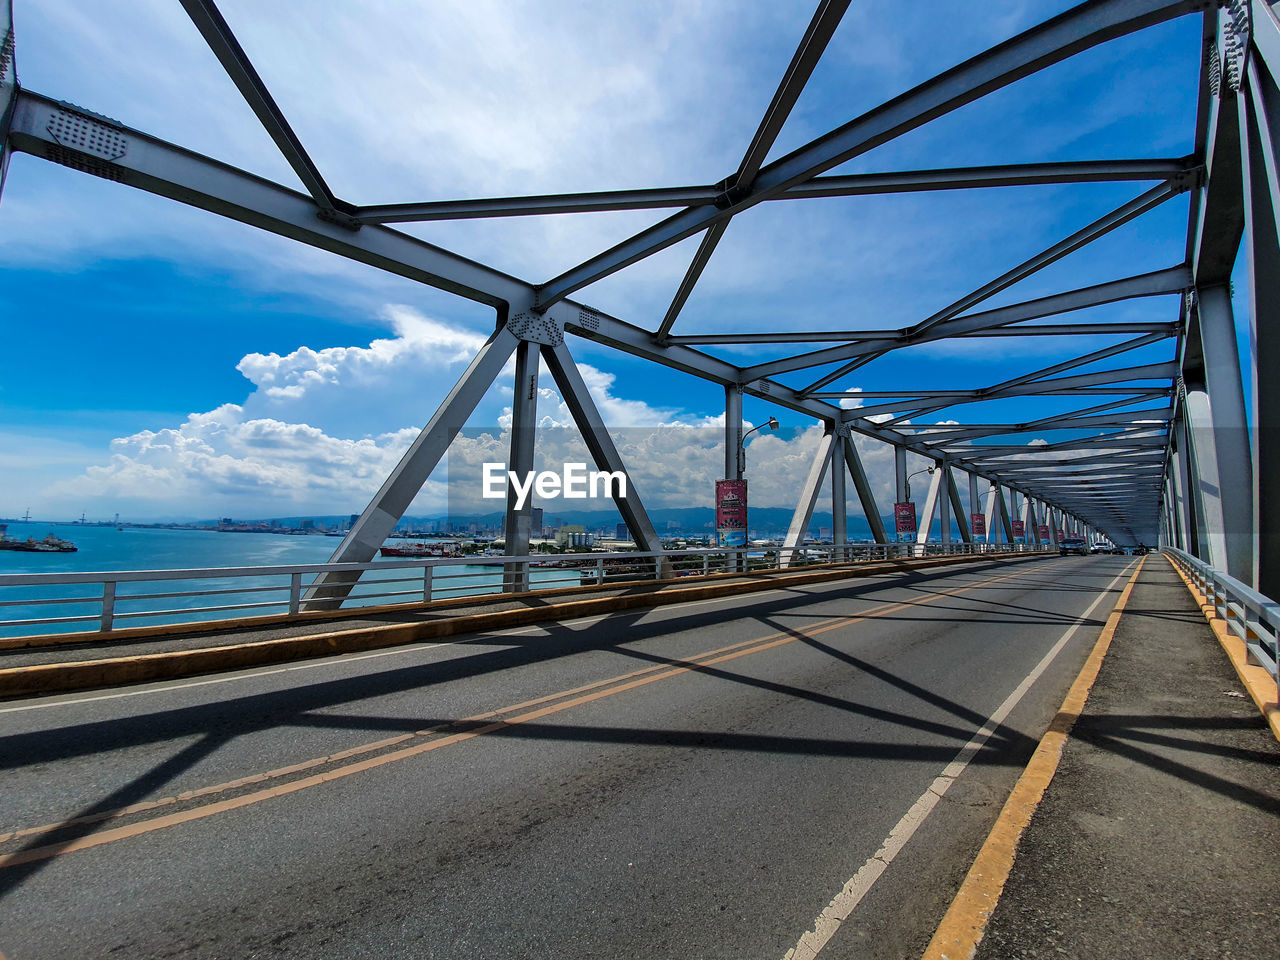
{"x": 825, "y": 20}
{"x": 595, "y": 434}
{"x": 706, "y": 248}
{"x": 208, "y": 20}
{"x": 1103, "y": 225}
{"x": 1173, "y": 280}
{"x": 1078, "y": 29}
{"x": 388, "y": 505}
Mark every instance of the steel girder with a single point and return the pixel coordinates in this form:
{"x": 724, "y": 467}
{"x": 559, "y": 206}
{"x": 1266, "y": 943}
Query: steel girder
{"x": 324, "y": 221}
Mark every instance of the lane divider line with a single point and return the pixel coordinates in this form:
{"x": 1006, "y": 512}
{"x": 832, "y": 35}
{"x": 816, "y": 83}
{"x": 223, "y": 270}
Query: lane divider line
{"x": 859, "y": 885}
{"x": 965, "y": 922}
{"x": 1260, "y": 684}
{"x": 558, "y": 702}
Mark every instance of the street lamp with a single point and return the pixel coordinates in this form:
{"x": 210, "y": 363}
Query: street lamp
{"x": 907, "y": 491}
{"x": 771, "y": 423}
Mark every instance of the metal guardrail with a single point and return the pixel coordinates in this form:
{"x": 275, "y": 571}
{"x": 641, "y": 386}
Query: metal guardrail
{"x": 1249, "y": 615}
{"x": 45, "y": 604}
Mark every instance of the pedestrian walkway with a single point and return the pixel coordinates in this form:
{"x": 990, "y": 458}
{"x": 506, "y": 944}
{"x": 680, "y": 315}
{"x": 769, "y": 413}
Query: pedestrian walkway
{"x": 1158, "y": 836}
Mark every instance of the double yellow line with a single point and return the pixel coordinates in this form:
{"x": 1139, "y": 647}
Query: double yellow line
{"x": 477, "y": 726}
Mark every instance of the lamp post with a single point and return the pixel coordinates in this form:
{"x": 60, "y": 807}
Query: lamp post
{"x": 907, "y": 485}
{"x": 771, "y": 423}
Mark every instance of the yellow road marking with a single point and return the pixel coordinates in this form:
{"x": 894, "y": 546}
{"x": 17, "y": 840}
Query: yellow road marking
{"x": 578, "y": 696}
{"x": 965, "y": 922}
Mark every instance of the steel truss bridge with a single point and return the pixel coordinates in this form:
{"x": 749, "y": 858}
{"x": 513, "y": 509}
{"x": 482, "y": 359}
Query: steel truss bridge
{"x": 1154, "y": 451}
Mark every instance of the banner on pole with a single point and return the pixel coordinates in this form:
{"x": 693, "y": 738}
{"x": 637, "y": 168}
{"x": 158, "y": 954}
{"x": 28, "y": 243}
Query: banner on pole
{"x": 904, "y": 519}
{"x": 731, "y": 513}
{"x": 979, "y": 525}
{"x": 1019, "y": 531}
{"x": 1044, "y": 532}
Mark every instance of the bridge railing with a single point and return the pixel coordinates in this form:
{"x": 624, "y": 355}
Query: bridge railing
{"x": 45, "y": 604}
{"x": 1249, "y": 615}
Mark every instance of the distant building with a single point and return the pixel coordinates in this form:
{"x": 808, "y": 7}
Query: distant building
{"x": 308, "y": 525}
{"x": 535, "y": 522}
{"x": 351, "y": 520}
{"x": 621, "y": 532}
{"x": 574, "y": 536}
{"x": 824, "y": 533}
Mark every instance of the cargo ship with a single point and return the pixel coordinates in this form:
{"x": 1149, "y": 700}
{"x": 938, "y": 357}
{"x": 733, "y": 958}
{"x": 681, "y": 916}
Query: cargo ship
{"x": 49, "y": 544}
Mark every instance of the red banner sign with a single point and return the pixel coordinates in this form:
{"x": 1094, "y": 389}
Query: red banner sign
{"x": 904, "y": 517}
{"x": 731, "y": 513}
{"x": 1019, "y": 531}
{"x": 1044, "y": 532}
{"x": 979, "y": 525}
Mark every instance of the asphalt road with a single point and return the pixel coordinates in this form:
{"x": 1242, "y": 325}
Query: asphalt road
{"x": 699, "y": 780}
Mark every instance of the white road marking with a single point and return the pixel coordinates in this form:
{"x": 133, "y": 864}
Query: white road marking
{"x": 860, "y": 884}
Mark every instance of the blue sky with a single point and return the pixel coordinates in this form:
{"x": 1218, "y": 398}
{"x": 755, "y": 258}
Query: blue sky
{"x": 164, "y": 363}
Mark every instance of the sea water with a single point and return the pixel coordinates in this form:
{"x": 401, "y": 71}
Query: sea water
{"x": 103, "y": 549}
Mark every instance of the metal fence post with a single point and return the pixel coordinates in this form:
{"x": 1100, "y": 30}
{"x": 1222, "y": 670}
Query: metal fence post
{"x": 426, "y": 583}
{"x": 599, "y": 571}
{"x": 108, "y": 604}
{"x": 295, "y": 594}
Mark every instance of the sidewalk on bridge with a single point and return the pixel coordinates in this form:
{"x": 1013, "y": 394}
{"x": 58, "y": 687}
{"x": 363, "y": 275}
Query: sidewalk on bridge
{"x": 1158, "y": 835}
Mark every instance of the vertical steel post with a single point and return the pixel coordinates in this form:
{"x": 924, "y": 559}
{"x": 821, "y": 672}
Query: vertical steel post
{"x": 839, "y": 519}
{"x": 973, "y": 500}
{"x": 1260, "y": 114}
{"x": 733, "y": 432}
{"x": 524, "y": 423}
{"x": 944, "y": 504}
{"x": 108, "y": 617}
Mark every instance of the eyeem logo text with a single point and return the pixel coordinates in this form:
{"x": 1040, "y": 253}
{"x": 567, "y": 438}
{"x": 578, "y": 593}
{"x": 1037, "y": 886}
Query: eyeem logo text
{"x": 572, "y": 483}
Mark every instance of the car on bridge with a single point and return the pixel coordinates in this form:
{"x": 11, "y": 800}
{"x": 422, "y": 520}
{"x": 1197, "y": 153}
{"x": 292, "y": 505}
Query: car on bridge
{"x": 1073, "y": 545}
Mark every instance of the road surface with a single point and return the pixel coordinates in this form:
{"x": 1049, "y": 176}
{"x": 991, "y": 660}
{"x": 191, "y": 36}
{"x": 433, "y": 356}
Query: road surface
{"x": 807, "y": 771}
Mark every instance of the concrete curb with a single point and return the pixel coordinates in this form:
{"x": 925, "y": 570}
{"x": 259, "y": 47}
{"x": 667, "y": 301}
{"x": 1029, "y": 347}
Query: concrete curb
{"x": 118, "y": 671}
{"x": 965, "y": 922}
{"x": 1256, "y": 680}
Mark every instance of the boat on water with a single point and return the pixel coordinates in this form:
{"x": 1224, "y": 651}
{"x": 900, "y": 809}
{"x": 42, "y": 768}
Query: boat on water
{"x": 421, "y": 550}
{"x": 49, "y": 544}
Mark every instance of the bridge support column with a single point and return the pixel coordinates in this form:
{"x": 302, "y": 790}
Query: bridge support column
{"x": 808, "y": 497}
{"x": 732, "y": 432}
{"x": 524, "y": 423}
{"x": 733, "y": 445}
{"x": 973, "y": 501}
{"x": 1260, "y": 132}
{"x": 839, "y": 519}
{"x": 1215, "y": 415}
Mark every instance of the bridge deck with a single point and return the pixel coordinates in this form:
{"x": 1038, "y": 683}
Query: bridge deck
{"x": 810, "y": 768}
